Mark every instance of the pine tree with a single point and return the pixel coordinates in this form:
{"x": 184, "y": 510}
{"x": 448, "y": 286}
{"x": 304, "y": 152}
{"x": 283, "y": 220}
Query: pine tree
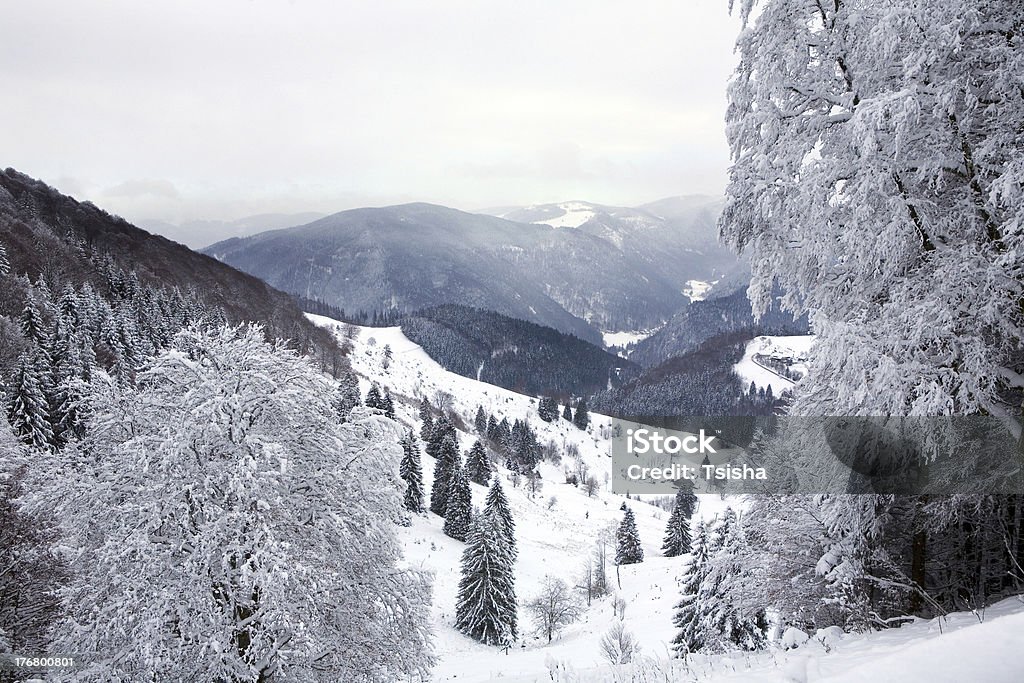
{"x": 567, "y": 412}
{"x": 5, "y": 265}
{"x": 387, "y": 405}
{"x": 496, "y": 506}
{"x": 627, "y": 541}
{"x": 480, "y": 422}
{"x": 458, "y": 510}
{"x": 547, "y": 408}
{"x": 486, "y": 605}
{"x": 427, "y": 428}
{"x": 373, "y": 398}
{"x": 411, "y": 471}
{"x": 32, "y": 323}
{"x": 677, "y": 532}
{"x": 444, "y": 466}
{"x": 689, "y": 615}
{"x": 346, "y": 395}
{"x": 478, "y": 466}
{"x": 582, "y": 418}
{"x": 28, "y": 411}
{"x": 492, "y": 430}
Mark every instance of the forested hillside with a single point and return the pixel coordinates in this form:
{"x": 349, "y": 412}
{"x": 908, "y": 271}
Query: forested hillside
{"x": 514, "y": 354}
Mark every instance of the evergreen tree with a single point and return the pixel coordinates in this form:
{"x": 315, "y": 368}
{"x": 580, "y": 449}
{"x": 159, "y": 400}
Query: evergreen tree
{"x": 677, "y": 532}
{"x": 28, "y": 411}
{"x": 727, "y": 623}
{"x": 688, "y": 616}
{"x": 492, "y": 430}
{"x": 32, "y": 323}
{"x": 446, "y": 461}
{"x": 426, "y": 411}
{"x": 478, "y": 466}
{"x": 5, "y": 265}
{"x": 411, "y": 471}
{"x": 496, "y": 506}
{"x": 567, "y": 411}
{"x": 547, "y": 408}
{"x": 582, "y": 418}
{"x": 373, "y": 398}
{"x": 427, "y": 428}
{"x": 459, "y": 508}
{"x": 480, "y": 423}
{"x": 486, "y": 605}
{"x": 346, "y": 395}
{"x": 627, "y": 541}
{"x": 387, "y": 405}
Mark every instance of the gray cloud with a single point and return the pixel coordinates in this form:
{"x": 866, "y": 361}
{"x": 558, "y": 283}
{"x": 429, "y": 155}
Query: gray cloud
{"x": 191, "y": 110}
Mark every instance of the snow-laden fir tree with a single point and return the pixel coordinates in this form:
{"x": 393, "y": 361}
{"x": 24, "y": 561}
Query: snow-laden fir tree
{"x": 582, "y": 417}
{"x": 486, "y": 607}
{"x": 425, "y": 410}
{"x": 373, "y": 398}
{"x": 627, "y": 541}
{"x": 227, "y": 528}
{"x": 411, "y": 472}
{"x": 480, "y": 422}
{"x": 458, "y": 510}
{"x": 5, "y": 264}
{"x": 446, "y": 461}
{"x": 387, "y": 405}
{"x": 427, "y": 428}
{"x": 690, "y": 610}
{"x": 727, "y": 621}
{"x": 567, "y": 411}
{"x": 496, "y": 506}
{"x": 346, "y": 395}
{"x": 28, "y": 410}
{"x": 32, "y": 325}
{"x": 478, "y": 465}
{"x": 547, "y": 408}
{"x": 677, "y": 532}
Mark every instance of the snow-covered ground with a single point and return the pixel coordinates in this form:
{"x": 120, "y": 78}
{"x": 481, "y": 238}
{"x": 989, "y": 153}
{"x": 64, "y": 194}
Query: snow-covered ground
{"x": 557, "y": 539}
{"x": 794, "y": 348}
{"x": 574, "y": 215}
{"x": 696, "y": 290}
{"x": 621, "y": 340}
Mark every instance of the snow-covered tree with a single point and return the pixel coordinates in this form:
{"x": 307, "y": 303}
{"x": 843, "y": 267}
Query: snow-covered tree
{"x": 458, "y": 510}
{"x": 554, "y": 607}
{"x": 582, "y": 417}
{"x": 496, "y": 505}
{"x": 567, "y": 411}
{"x": 547, "y": 408}
{"x": 5, "y": 264}
{"x": 478, "y": 466}
{"x": 28, "y": 410}
{"x": 486, "y": 607}
{"x": 677, "y": 532}
{"x": 480, "y": 422}
{"x": 689, "y": 615}
{"x": 346, "y": 394}
{"x": 373, "y": 398}
{"x": 387, "y": 405}
{"x": 225, "y": 527}
{"x": 446, "y": 461}
{"x": 877, "y": 177}
{"x": 627, "y": 541}
{"x": 411, "y": 472}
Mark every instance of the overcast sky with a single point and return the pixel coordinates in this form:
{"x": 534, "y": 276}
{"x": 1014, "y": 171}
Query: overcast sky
{"x": 225, "y": 108}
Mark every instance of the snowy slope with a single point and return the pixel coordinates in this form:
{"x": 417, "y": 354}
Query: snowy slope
{"x": 554, "y": 541}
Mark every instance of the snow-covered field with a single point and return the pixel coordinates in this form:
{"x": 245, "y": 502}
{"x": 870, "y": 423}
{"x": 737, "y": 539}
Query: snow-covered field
{"x": 794, "y": 348}
{"x": 696, "y": 290}
{"x": 556, "y": 538}
{"x": 574, "y": 215}
{"x": 621, "y": 340}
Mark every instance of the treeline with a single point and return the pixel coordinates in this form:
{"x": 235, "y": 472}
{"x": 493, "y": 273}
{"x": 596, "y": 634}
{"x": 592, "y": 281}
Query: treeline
{"x": 514, "y": 354}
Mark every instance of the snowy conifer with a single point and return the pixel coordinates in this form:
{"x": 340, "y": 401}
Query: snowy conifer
{"x": 373, "y": 398}
{"x": 427, "y": 428}
{"x": 627, "y": 541}
{"x": 582, "y": 417}
{"x": 567, "y": 412}
{"x": 480, "y": 422}
{"x": 411, "y": 472}
{"x": 478, "y": 466}
{"x": 28, "y": 410}
{"x": 458, "y": 510}
{"x": 444, "y": 466}
{"x": 5, "y": 264}
{"x": 689, "y": 616}
{"x": 677, "y": 532}
{"x": 496, "y": 505}
{"x": 387, "y": 405}
{"x": 486, "y": 607}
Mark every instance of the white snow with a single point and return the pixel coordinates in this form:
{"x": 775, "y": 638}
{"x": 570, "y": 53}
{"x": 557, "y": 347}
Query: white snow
{"x": 696, "y": 290}
{"x": 558, "y": 541}
{"x": 623, "y": 339}
{"x": 793, "y": 347}
{"x": 574, "y": 215}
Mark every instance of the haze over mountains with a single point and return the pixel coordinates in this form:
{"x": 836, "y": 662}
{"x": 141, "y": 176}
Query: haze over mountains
{"x": 197, "y": 234}
{"x": 575, "y": 266}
